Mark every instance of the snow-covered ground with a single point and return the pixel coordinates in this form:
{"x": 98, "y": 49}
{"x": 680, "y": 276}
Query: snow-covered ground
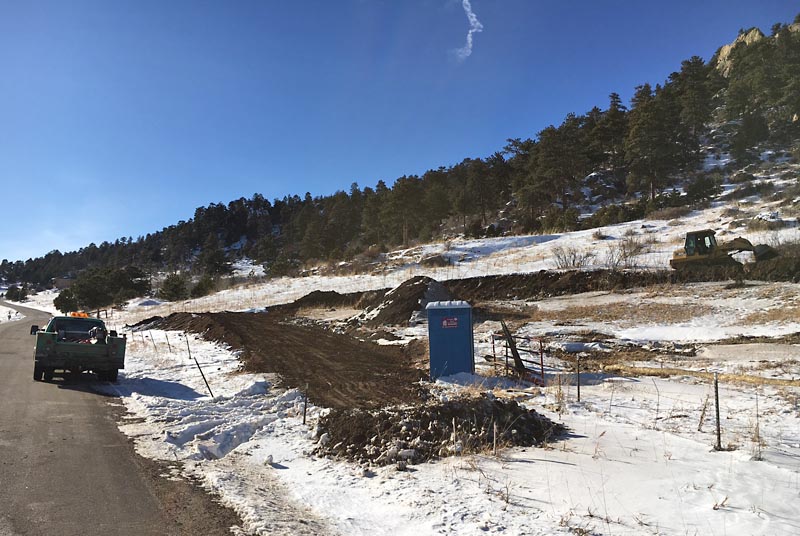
{"x": 639, "y": 456}
{"x": 9, "y": 315}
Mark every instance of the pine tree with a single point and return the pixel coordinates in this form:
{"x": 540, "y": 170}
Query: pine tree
{"x": 66, "y": 301}
{"x": 213, "y": 259}
{"x": 609, "y": 137}
{"x": 174, "y": 288}
{"x": 479, "y": 185}
{"x": 561, "y": 161}
{"x": 692, "y": 86}
{"x": 656, "y": 146}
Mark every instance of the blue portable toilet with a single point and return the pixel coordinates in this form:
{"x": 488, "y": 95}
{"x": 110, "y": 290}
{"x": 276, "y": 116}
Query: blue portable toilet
{"x": 450, "y": 338}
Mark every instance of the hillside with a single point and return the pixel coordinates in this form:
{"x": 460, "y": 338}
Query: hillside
{"x": 638, "y": 455}
{"x": 707, "y": 124}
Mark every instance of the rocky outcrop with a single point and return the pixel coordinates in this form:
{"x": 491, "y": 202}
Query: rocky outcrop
{"x": 724, "y": 59}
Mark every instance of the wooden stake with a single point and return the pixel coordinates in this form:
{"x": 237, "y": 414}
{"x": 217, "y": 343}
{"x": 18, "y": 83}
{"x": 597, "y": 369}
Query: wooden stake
{"x": 305, "y": 403}
{"x": 198, "y": 367}
{"x": 541, "y": 358}
{"x": 703, "y": 414}
{"x": 718, "y": 446}
{"x": 153, "y": 340}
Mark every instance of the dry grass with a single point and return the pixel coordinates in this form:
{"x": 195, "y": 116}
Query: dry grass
{"x": 723, "y": 377}
{"x": 329, "y": 314}
{"x": 669, "y": 213}
{"x": 778, "y": 314}
{"x": 624, "y": 312}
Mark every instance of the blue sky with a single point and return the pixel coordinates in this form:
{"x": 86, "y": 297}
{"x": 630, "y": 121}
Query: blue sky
{"x": 120, "y": 118}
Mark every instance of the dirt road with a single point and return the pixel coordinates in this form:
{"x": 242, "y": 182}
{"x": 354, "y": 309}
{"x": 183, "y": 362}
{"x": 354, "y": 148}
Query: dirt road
{"x": 66, "y": 469}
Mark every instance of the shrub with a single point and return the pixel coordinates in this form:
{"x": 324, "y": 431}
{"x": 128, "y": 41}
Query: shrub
{"x": 15, "y": 293}
{"x": 623, "y": 254}
{"x": 174, "y": 288}
{"x": 757, "y": 224}
{"x": 749, "y": 190}
{"x": 731, "y": 212}
{"x": 557, "y": 220}
{"x": 703, "y": 188}
{"x": 741, "y": 177}
{"x": 567, "y": 257}
{"x": 613, "y": 214}
{"x": 669, "y": 213}
{"x": 66, "y": 301}
{"x": 203, "y": 287}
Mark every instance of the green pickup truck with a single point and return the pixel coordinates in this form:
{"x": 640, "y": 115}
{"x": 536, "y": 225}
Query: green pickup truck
{"x": 77, "y": 344}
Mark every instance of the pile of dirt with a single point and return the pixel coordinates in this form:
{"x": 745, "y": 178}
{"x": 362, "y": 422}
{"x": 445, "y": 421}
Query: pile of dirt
{"x": 402, "y": 302}
{"x": 327, "y": 298}
{"x": 786, "y": 268}
{"x": 330, "y": 299}
{"x": 146, "y": 323}
{"x": 431, "y": 431}
{"x": 547, "y": 283}
{"x": 339, "y": 371}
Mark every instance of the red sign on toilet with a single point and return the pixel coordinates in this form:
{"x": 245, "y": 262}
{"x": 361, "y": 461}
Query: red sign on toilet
{"x": 449, "y": 322}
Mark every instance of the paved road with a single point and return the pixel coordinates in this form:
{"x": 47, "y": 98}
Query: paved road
{"x": 66, "y": 469}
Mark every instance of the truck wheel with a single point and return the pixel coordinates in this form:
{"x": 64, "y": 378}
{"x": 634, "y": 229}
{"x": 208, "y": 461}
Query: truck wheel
{"x": 48, "y": 374}
{"x": 38, "y": 372}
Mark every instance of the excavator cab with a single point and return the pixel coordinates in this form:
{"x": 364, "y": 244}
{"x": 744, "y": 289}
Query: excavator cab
{"x": 700, "y": 242}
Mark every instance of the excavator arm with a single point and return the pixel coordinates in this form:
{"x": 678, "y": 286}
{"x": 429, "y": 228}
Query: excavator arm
{"x": 761, "y": 252}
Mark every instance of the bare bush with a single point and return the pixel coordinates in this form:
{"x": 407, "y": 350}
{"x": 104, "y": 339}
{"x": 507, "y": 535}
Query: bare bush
{"x": 624, "y": 253}
{"x": 571, "y": 257}
{"x": 613, "y": 257}
{"x": 742, "y": 177}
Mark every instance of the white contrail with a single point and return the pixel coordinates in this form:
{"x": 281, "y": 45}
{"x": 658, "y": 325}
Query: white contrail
{"x": 475, "y": 26}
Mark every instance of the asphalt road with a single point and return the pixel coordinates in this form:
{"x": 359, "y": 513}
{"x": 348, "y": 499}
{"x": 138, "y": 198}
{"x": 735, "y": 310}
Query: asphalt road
{"x": 66, "y": 469}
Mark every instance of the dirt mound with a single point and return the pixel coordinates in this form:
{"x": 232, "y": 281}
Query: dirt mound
{"x": 327, "y": 298}
{"x": 144, "y": 324}
{"x": 425, "y": 432}
{"x": 400, "y": 303}
{"x": 548, "y": 283}
{"x": 779, "y": 269}
{"x": 340, "y": 371}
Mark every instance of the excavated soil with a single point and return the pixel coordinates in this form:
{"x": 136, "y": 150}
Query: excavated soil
{"x": 430, "y": 431}
{"x": 545, "y": 284}
{"x": 400, "y": 303}
{"x": 340, "y": 371}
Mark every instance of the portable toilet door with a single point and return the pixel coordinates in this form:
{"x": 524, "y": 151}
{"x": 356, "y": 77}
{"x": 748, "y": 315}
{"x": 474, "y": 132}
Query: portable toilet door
{"x": 450, "y": 338}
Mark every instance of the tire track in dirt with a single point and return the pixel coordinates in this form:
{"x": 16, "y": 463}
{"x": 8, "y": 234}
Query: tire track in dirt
{"x": 340, "y": 371}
